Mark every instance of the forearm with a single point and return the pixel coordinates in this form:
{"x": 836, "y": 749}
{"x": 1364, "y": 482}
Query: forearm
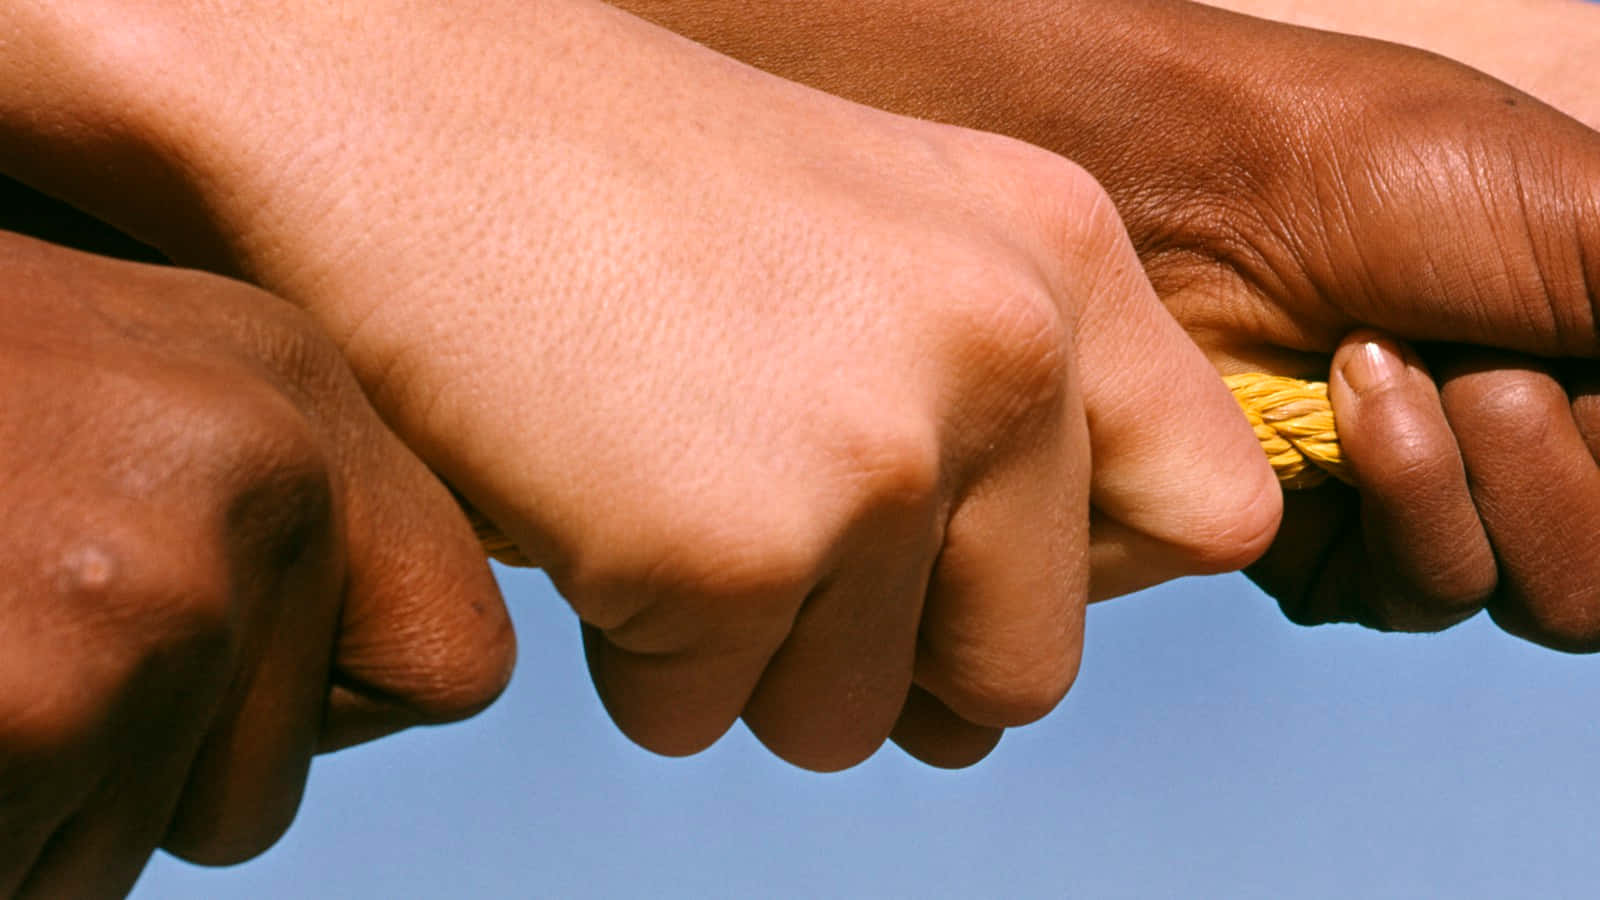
{"x": 1109, "y": 84}
{"x": 1545, "y": 47}
{"x": 1034, "y": 69}
{"x": 198, "y": 128}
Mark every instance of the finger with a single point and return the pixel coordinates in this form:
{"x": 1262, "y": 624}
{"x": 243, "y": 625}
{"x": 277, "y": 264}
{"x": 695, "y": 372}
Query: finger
{"x": 1424, "y": 562}
{"x": 1175, "y": 463}
{"x": 34, "y": 802}
{"x": 830, "y": 696}
{"x": 930, "y": 732}
{"x": 424, "y": 635}
{"x": 675, "y": 651}
{"x": 100, "y": 851}
{"x": 245, "y": 784}
{"x": 1538, "y": 492}
{"x": 677, "y": 700}
{"x": 1125, "y": 560}
{"x": 1307, "y": 568}
{"x": 110, "y": 683}
{"x": 1002, "y": 629}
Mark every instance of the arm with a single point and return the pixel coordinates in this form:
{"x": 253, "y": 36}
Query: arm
{"x": 1543, "y": 47}
{"x": 795, "y": 400}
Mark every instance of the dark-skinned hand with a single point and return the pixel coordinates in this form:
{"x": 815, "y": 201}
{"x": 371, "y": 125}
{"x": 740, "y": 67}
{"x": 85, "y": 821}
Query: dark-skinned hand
{"x": 216, "y": 562}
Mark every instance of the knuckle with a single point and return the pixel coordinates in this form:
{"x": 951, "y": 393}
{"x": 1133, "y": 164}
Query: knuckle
{"x": 1082, "y": 217}
{"x": 254, "y": 431}
{"x": 1504, "y": 401}
{"x": 129, "y": 607}
{"x": 891, "y": 466}
{"x": 730, "y": 557}
{"x": 148, "y": 599}
{"x": 1015, "y": 346}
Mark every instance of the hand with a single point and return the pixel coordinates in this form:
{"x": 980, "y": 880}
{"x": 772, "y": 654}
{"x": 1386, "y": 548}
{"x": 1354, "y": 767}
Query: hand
{"x": 216, "y": 562}
{"x": 1285, "y": 187}
{"x": 795, "y": 400}
{"x": 1502, "y": 456}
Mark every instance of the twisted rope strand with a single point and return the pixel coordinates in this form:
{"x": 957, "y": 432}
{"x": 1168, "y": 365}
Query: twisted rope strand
{"x": 1292, "y": 419}
{"x": 1294, "y": 423}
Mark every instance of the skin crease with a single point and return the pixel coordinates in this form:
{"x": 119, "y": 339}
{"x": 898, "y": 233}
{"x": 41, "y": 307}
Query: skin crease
{"x": 217, "y": 561}
{"x": 1284, "y": 188}
{"x": 795, "y": 400}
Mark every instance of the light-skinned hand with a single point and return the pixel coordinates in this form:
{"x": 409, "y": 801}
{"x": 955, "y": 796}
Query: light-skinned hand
{"x": 799, "y": 403}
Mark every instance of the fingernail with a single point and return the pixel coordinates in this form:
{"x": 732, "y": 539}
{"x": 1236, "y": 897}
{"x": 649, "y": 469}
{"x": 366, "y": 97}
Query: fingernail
{"x": 1372, "y": 365}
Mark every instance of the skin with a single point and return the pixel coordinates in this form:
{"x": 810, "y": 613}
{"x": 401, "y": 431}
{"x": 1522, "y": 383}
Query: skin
{"x": 1542, "y": 47}
{"x": 217, "y": 561}
{"x": 804, "y": 406}
{"x": 1285, "y": 188}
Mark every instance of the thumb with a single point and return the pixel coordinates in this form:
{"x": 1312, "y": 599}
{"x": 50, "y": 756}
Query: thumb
{"x": 1180, "y": 484}
{"x": 425, "y": 637}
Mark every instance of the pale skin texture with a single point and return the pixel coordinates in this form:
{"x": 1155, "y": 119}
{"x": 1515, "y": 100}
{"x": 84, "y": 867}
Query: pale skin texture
{"x": 801, "y": 404}
{"x": 216, "y": 561}
{"x": 1285, "y": 187}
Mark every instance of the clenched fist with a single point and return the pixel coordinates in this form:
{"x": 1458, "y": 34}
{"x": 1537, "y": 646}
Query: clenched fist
{"x": 801, "y": 404}
{"x": 216, "y": 561}
{"x": 1289, "y": 190}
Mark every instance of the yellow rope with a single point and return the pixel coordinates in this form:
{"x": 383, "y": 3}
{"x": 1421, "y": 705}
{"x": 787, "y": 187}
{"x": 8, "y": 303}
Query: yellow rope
{"x": 1294, "y": 422}
{"x": 1291, "y": 418}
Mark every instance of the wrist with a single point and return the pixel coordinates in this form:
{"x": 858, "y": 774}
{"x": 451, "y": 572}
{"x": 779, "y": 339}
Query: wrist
{"x": 1084, "y": 78}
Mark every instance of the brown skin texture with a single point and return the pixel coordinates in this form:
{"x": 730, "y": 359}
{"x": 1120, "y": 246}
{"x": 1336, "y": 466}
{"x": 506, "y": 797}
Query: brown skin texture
{"x": 216, "y": 562}
{"x": 1544, "y": 47}
{"x": 1285, "y": 187}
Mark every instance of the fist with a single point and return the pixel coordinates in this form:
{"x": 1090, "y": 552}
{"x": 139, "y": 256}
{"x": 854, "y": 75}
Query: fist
{"x": 216, "y": 562}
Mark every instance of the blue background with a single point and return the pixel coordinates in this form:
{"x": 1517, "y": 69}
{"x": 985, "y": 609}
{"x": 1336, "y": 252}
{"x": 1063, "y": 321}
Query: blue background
{"x": 1209, "y": 748}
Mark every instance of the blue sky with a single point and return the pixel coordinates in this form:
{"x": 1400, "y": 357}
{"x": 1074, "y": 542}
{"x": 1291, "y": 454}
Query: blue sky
{"x": 1209, "y": 748}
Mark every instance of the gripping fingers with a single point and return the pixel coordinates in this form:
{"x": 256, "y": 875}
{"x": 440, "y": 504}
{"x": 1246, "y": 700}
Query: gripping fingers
{"x": 1176, "y": 466}
{"x": 245, "y": 784}
{"x": 1427, "y": 561}
{"x": 930, "y": 732}
{"x": 675, "y": 688}
{"x": 1002, "y": 631}
{"x": 424, "y": 636}
{"x": 830, "y": 696}
{"x": 1538, "y": 492}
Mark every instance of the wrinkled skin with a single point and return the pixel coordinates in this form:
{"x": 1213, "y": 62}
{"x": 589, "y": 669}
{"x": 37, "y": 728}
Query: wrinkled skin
{"x": 216, "y": 562}
{"x": 805, "y": 407}
{"x": 1283, "y": 188}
